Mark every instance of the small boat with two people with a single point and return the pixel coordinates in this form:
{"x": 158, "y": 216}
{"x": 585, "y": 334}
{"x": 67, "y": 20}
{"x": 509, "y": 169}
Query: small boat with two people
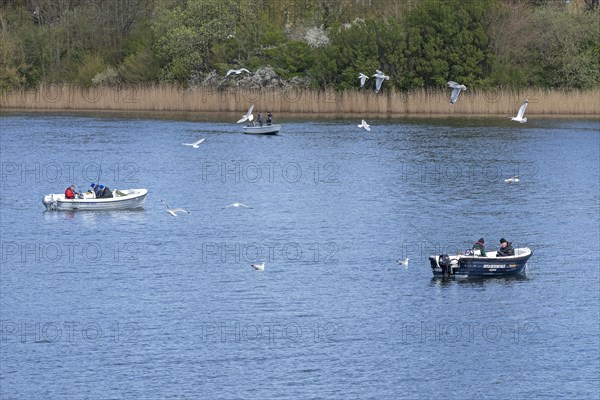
{"x": 257, "y": 127}
{"x": 473, "y": 263}
{"x": 128, "y": 199}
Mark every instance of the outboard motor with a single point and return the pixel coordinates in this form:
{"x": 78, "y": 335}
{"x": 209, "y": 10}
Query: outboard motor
{"x": 445, "y": 264}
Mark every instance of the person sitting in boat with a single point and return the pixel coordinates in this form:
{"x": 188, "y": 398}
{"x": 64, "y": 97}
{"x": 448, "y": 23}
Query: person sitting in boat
{"x": 269, "y": 118}
{"x": 95, "y": 189}
{"x": 479, "y": 246}
{"x": 259, "y": 119}
{"x": 105, "y": 192}
{"x": 506, "y": 249}
{"x": 70, "y": 193}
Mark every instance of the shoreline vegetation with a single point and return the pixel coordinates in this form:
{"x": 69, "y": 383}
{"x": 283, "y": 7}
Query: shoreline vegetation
{"x": 301, "y": 57}
{"x": 421, "y": 102}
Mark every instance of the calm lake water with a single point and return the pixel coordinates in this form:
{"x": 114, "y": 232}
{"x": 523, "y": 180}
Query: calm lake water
{"x": 139, "y": 304}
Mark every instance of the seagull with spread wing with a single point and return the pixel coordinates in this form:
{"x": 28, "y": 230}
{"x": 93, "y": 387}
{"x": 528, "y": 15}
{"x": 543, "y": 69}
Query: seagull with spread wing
{"x": 237, "y": 205}
{"x": 248, "y": 116}
{"x": 364, "y": 124}
{"x": 456, "y": 88}
{"x": 195, "y": 145}
{"x": 520, "y": 115}
{"x": 236, "y": 71}
{"x": 379, "y": 78}
{"x": 363, "y": 78}
{"x": 174, "y": 211}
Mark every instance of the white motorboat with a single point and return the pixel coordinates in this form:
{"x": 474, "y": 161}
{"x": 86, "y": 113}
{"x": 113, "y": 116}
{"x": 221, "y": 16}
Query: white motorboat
{"x": 128, "y": 199}
{"x": 262, "y": 130}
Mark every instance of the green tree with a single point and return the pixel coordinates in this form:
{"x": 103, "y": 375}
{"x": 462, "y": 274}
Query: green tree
{"x": 185, "y": 34}
{"x": 361, "y": 47}
{"x": 567, "y": 49}
{"x": 13, "y": 63}
{"x": 511, "y": 29}
{"x": 249, "y": 43}
{"x": 290, "y": 59}
{"x": 446, "y": 41}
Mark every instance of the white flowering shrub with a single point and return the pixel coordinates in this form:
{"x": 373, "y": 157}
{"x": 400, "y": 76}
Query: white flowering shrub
{"x": 108, "y": 77}
{"x": 316, "y": 37}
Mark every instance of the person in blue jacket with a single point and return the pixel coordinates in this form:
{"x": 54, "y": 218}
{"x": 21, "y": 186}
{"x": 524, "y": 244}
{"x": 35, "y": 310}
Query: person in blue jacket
{"x": 95, "y": 189}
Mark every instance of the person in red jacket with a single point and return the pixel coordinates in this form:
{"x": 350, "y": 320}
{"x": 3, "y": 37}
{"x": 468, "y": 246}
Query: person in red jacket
{"x": 70, "y": 192}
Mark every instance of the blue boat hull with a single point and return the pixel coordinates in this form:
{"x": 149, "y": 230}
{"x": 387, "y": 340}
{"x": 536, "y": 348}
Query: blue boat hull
{"x": 471, "y": 266}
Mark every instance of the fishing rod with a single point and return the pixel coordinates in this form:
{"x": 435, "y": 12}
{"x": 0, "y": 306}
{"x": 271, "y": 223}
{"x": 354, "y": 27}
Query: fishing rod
{"x": 422, "y": 234}
{"x": 426, "y": 238}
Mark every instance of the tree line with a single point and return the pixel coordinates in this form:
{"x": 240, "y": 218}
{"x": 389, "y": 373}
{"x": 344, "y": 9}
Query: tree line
{"x": 419, "y": 44}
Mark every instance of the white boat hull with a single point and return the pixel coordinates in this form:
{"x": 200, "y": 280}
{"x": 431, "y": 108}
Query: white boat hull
{"x": 262, "y": 130}
{"x": 128, "y": 200}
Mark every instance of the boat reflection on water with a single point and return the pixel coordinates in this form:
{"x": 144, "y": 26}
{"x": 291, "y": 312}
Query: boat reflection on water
{"x": 91, "y": 218}
{"x": 479, "y": 281}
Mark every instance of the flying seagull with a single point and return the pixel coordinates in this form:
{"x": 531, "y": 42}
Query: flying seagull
{"x": 514, "y": 179}
{"x": 519, "y": 117}
{"x": 404, "y": 262}
{"x": 237, "y": 205}
{"x": 174, "y": 211}
{"x": 236, "y": 71}
{"x": 248, "y": 116}
{"x": 195, "y": 145}
{"x": 380, "y": 76}
{"x": 364, "y": 124}
{"x": 362, "y": 78}
{"x": 259, "y": 267}
{"x": 456, "y": 88}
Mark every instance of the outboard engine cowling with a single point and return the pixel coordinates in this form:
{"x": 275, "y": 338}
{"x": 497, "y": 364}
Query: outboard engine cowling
{"x": 445, "y": 263}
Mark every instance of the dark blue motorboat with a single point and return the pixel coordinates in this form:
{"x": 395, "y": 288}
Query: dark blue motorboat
{"x": 473, "y": 265}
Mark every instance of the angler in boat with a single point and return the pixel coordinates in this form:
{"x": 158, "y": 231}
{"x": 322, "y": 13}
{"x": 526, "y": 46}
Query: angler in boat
{"x": 477, "y": 262}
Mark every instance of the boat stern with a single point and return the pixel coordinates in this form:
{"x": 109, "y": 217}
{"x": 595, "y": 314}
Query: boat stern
{"x": 444, "y": 265}
{"x": 50, "y": 202}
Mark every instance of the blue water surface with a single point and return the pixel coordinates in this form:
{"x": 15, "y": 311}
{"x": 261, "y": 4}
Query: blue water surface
{"x": 140, "y": 304}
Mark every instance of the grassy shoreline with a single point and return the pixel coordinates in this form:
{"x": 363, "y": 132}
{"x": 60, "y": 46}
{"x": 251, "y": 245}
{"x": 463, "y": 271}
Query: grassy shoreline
{"x": 301, "y": 102}
{"x": 231, "y": 117}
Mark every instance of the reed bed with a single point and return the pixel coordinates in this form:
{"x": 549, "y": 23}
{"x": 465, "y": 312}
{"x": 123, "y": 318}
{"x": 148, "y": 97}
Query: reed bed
{"x": 170, "y": 98}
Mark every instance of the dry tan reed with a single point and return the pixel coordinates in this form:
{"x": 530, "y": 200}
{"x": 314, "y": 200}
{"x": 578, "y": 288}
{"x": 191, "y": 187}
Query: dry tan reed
{"x": 501, "y": 102}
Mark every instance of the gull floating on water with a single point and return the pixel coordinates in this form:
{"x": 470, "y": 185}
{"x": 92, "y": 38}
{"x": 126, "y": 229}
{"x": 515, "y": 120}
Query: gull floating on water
{"x": 248, "y": 116}
{"x": 519, "y": 117}
{"x": 236, "y": 71}
{"x": 364, "y": 124}
{"x": 237, "y": 205}
{"x": 404, "y": 262}
{"x": 174, "y": 211}
{"x": 259, "y": 267}
{"x": 456, "y": 88}
{"x": 514, "y": 179}
{"x": 380, "y": 76}
{"x": 362, "y": 78}
{"x": 195, "y": 145}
